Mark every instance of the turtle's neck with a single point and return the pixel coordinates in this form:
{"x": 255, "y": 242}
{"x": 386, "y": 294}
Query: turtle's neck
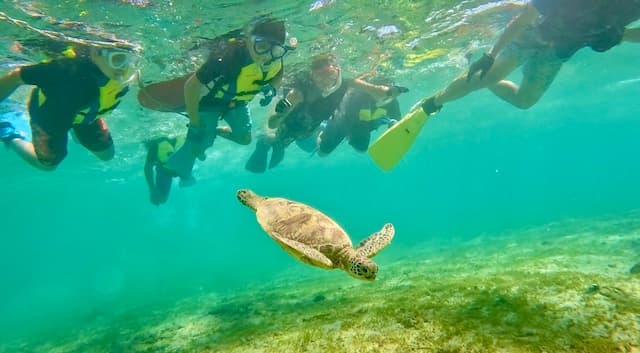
{"x": 344, "y": 256}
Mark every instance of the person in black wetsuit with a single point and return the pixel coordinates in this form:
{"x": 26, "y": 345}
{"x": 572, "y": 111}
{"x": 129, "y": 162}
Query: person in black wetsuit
{"x": 70, "y": 93}
{"x": 540, "y": 39}
{"x": 348, "y": 106}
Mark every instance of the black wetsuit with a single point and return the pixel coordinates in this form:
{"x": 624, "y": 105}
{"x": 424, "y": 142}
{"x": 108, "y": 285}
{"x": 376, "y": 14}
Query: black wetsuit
{"x": 347, "y": 121}
{"x": 159, "y": 178}
{"x": 307, "y": 117}
{"x": 223, "y": 67}
{"x": 69, "y": 85}
{"x": 574, "y": 24}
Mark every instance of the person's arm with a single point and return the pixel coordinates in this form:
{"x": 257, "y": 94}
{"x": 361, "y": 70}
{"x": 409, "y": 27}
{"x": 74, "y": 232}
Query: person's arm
{"x": 631, "y": 35}
{"x": 378, "y": 92}
{"x": 9, "y": 83}
{"x": 192, "y": 89}
{"x": 196, "y": 131}
{"x": 276, "y": 119}
{"x": 208, "y": 73}
{"x": 284, "y": 107}
{"x": 381, "y": 93}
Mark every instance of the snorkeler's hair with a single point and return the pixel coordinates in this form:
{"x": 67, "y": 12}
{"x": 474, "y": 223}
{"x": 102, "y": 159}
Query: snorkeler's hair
{"x": 268, "y": 27}
{"x": 323, "y": 60}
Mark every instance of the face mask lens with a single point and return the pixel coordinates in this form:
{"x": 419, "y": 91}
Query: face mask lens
{"x": 326, "y": 76}
{"x": 264, "y": 46}
{"x": 278, "y": 51}
{"x": 261, "y": 45}
{"x": 118, "y": 60}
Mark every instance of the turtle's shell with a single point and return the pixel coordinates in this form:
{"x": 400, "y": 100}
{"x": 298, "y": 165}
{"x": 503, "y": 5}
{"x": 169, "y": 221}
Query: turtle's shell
{"x": 299, "y": 222}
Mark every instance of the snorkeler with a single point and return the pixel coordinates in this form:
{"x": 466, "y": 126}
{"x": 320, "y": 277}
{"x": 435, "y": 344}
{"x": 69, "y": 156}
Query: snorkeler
{"x": 355, "y": 119}
{"x": 541, "y": 38}
{"x": 158, "y": 177}
{"x": 71, "y": 93}
{"x": 545, "y": 35}
{"x": 318, "y": 95}
{"x": 224, "y": 85}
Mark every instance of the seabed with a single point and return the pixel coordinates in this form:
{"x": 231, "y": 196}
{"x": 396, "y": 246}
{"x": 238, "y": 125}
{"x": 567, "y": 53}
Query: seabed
{"x": 572, "y": 286}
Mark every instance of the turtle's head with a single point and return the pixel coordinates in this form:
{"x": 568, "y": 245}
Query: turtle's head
{"x": 362, "y": 268}
{"x": 248, "y": 198}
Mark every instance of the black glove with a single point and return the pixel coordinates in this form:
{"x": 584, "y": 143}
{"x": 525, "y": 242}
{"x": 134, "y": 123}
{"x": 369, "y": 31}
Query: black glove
{"x": 268, "y": 92}
{"x": 483, "y": 65}
{"x": 395, "y": 91}
{"x": 196, "y": 135}
{"x": 283, "y": 105}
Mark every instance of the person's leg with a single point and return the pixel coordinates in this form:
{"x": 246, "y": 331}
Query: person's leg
{"x": 538, "y": 74}
{"x": 47, "y": 149}
{"x": 361, "y": 135}
{"x": 211, "y": 118}
{"x": 257, "y": 163}
{"x": 163, "y": 181}
{"x": 460, "y": 87}
{"x": 182, "y": 161}
{"x": 393, "y": 110}
{"x": 308, "y": 143}
{"x": 345, "y": 122}
{"x": 331, "y": 136}
{"x": 96, "y": 137}
{"x": 277, "y": 155}
{"x": 239, "y": 129}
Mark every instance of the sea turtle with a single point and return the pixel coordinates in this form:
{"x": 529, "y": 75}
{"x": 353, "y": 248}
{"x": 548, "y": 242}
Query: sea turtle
{"x": 315, "y": 239}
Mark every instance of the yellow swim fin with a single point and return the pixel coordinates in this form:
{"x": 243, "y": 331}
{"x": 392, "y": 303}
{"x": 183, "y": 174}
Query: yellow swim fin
{"x": 391, "y": 146}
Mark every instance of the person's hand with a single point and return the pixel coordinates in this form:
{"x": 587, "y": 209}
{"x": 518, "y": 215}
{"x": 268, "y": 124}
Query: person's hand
{"x": 196, "y": 136}
{"x": 268, "y": 93}
{"x": 482, "y": 65}
{"x": 283, "y": 105}
{"x": 395, "y": 91}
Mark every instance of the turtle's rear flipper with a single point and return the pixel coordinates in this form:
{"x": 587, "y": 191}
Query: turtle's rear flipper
{"x": 377, "y": 241}
{"x": 305, "y": 253}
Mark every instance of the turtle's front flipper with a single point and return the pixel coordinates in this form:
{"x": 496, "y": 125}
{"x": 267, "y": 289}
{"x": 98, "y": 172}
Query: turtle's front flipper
{"x": 305, "y": 253}
{"x": 376, "y": 241}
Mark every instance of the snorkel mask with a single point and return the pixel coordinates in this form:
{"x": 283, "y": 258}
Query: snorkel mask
{"x": 268, "y": 36}
{"x": 123, "y": 63}
{"x": 338, "y": 83}
{"x": 326, "y": 73}
{"x": 262, "y": 46}
{"x": 328, "y": 79}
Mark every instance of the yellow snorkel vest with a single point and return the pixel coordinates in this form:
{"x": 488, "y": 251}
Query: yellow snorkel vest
{"x": 370, "y": 114}
{"x": 249, "y": 83}
{"x": 108, "y": 99}
{"x": 109, "y": 96}
{"x": 166, "y": 148}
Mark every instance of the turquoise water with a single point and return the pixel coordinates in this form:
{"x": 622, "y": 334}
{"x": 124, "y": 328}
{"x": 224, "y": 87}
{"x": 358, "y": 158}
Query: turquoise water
{"x": 84, "y": 242}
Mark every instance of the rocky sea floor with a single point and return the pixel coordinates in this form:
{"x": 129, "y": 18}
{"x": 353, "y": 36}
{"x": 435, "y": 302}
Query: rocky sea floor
{"x": 572, "y": 286}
